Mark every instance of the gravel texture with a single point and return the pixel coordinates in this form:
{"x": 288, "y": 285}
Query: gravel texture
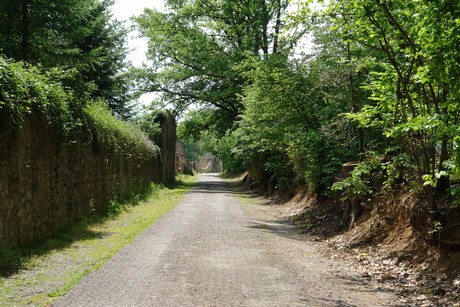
{"x": 208, "y": 251}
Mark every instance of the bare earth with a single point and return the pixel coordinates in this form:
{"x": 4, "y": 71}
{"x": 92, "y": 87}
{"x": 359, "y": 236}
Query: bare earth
{"x": 213, "y": 250}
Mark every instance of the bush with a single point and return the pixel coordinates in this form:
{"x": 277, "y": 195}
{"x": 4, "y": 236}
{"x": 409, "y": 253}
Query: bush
{"x": 316, "y": 160}
{"x": 24, "y": 90}
{"x": 120, "y": 136}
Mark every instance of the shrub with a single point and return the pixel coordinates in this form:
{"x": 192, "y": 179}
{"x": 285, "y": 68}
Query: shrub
{"x": 24, "y": 90}
{"x": 120, "y": 136}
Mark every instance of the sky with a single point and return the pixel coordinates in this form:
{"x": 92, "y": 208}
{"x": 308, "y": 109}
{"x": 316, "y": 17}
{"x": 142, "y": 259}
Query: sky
{"x": 123, "y": 10}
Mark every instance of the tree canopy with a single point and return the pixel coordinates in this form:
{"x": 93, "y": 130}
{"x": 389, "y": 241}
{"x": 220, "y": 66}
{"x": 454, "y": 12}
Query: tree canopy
{"x": 196, "y": 47}
{"x": 378, "y": 87}
{"x": 79, "y": 38}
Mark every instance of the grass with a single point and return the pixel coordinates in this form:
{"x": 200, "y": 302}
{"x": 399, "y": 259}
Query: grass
{"x": 249, "y": 203}
{"x": 44, "y": 272}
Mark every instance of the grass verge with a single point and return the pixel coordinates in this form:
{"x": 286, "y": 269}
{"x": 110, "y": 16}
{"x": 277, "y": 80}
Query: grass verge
{"x": 49, "y": 270}
{"x": 249, "y": 202}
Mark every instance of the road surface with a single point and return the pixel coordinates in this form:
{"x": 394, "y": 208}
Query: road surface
{"x": 209, "y": 252}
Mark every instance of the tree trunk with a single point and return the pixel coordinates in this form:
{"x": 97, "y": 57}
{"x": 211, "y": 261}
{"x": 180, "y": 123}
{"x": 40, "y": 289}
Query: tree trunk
{"x": 25, "y": 34}
{"x": 353, "y": 209}
{"x": 443, "y": 182}
{"x": 353, "y": 101}
{"x": 265, "y": 22}
{"x": 277, "y": 27}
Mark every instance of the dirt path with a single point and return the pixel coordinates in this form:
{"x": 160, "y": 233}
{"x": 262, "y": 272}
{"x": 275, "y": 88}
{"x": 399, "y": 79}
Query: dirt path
{"x": 209, "y": 252}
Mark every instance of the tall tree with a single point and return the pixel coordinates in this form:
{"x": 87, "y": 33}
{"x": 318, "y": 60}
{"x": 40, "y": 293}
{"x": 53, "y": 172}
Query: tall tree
{"x": 195, "y": 47}
{"x": 414, "y": 90}
{"x": 104, "y": 49}
{"x": 79, "y": 36}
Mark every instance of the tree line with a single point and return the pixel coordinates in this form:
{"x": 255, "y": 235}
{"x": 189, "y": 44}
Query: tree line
{"x": 77, "y": 40}
{"x": 379, "y": 87}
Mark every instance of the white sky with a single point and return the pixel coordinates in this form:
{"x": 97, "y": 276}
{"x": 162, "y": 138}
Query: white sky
{"x": 123, "y": 10}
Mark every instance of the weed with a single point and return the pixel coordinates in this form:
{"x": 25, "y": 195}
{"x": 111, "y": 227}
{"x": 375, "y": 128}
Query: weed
{"x": 10, "y": 260}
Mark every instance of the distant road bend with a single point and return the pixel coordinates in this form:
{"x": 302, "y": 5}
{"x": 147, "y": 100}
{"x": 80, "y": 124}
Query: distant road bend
{"x": 209, "y": 252}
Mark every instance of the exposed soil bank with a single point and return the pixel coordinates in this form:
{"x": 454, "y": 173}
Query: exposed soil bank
{"x": 384, "y": 246}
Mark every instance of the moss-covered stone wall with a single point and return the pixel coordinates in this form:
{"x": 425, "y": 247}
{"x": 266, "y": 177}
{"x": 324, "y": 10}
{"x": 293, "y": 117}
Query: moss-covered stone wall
{"x": 63, "y": 158}
{"x": 47, "y": 182}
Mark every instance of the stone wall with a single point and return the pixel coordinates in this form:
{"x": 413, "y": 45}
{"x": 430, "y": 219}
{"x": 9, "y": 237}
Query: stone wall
{"x": 210, "y": 164}
{"x": 167, "y": 143}
{"x": 48, "y": 182}
{"x": 183, "y": 166}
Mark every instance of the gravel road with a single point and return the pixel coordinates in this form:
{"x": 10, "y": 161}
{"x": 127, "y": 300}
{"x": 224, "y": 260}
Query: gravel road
{"x": 209, "y": 252}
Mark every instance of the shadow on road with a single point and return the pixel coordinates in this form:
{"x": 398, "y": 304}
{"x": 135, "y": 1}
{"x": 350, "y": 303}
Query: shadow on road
{"x": 277, "y": 228}
{"x": 211, "y": 183}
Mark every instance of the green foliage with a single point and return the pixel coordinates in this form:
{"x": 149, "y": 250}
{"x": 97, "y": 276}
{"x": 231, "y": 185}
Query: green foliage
{"x": 105, "y": 47}
{"x": 76, "y": 36}
{"x": 224, "y": 148}
{"x": 209, "y": 130}
{"x": 413, "y": 89}
{"x": 197, "y": 44}
{"x": 357, "y": 183}
{"x": 146, "y": 121}
{"x": 192, "y": 150}
{"x": 190, "y": 66}
{"x": 122, "y": 137}
{"x": 381, "y": 78}
{"x": 287, "y": 122}
{"x": 399, "y": 169}
{"x": 24, "y": 91}
{"x": 316, "y": 159}
{"x": 207, "y": 119}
